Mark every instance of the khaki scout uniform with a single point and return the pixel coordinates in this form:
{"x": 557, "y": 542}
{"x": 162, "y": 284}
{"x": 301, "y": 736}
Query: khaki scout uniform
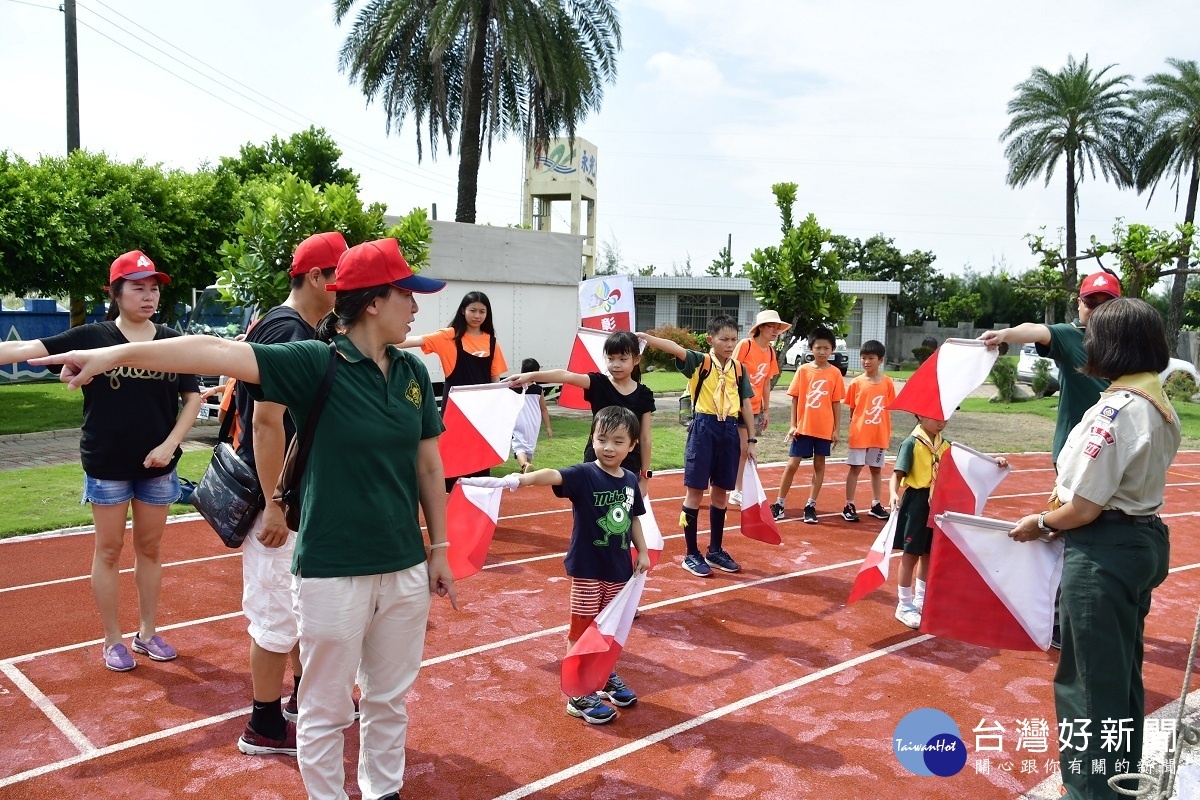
{"x": 1116, "y": 457}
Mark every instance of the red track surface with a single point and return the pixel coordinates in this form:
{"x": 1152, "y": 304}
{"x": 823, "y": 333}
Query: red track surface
{"x": 818, "y": 687}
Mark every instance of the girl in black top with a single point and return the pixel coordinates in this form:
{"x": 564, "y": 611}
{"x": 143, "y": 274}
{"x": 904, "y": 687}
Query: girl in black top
{"x": 621, "y": 387}
{"x": 132, "y": 427}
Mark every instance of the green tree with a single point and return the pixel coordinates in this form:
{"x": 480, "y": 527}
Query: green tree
{"x": 878, "y": 259}
{"x": 281, "y": 214}
{"x": 960, "y": 306}
{"x": 1076, "y": 113}
{"x": 1000, "y": 299}
{"x": 1170, "y": 106}
{"x": 64, "y": 219}
{"x": 1142, "y": 252}
{"x": 722, "y": 265}
{"x": 610, "y": 261}
{"x": 310, "y": 155}
{"x": 799, "y": 277}
{"x": 483, "y": 68}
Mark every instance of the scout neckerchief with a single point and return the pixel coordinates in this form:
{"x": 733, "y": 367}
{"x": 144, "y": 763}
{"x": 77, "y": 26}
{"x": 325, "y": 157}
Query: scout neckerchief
{"x": 1147, "y": 385}
{"x": 935, "y": 447}
{"x": 721, "y": 402}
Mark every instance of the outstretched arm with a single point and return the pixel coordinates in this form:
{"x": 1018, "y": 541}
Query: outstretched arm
{"x": 541, "y": 477}
{"x": 666, "y": 345}
{"x": 579, "y": 379}
{"x": 412, "y": 341}
{"x": 1021, "y": 334}
{"x": 14, "y": 351}
{"x": 201, "y": 355}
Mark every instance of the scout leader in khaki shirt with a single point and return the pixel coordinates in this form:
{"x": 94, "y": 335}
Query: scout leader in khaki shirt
{"x": 1117, "y": 456}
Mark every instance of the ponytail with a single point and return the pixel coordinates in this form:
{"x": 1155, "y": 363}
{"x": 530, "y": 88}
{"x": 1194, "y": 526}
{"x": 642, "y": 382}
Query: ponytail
{"x": 347, "y": 309}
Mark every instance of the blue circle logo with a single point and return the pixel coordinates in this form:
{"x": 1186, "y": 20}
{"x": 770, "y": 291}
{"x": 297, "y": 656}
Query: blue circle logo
{"x": 927, "y": 742}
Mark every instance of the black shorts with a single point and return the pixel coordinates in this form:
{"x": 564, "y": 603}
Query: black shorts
{"x": 913, "y": 534}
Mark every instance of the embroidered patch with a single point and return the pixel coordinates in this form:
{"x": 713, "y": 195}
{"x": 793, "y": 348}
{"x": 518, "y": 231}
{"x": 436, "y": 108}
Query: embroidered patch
{"x": 1109, "y": 412}
{"x": 1104, "y": 434}
{"x": 1092, "y": 450}
{"x": 413, "y": 392}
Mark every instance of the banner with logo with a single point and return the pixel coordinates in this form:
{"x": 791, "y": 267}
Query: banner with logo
{"x": 606, "y": 304}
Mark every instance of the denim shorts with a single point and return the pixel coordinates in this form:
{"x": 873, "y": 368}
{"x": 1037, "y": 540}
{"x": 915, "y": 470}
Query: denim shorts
{"x": 161, "y": 491}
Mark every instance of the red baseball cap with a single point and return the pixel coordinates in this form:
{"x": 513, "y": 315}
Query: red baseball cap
{"x": 133, "y": 266}
{"x": 375, "y": 264}
{"x": 320, "y": 251}
{"x": 1100, "y": 283}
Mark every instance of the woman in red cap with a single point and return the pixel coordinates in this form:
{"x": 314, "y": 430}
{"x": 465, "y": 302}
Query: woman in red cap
{"x": 363, "y": 573}
{"x": 132, "y": 427}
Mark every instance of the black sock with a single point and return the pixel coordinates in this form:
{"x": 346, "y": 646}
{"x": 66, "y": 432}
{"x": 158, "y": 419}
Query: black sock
{"x": 266, "y": 719}
{"x": 689, "y": 530}
{"x": 716, "y": 525}
{"x": 296, "y": 684}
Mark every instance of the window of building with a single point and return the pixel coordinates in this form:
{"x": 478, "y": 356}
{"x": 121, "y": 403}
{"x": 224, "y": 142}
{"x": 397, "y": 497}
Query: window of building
{"x": 644, "y": 309}
{"x": 854, "y": 336}
{"x": 695, "y": 310}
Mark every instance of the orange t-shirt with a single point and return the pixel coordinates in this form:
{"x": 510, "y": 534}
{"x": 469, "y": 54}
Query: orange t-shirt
{"x": 817, "y": 390}
{"x": 870, "y": 423}
{"x": 761, "y": 365}
{"x": 442, "y": 343}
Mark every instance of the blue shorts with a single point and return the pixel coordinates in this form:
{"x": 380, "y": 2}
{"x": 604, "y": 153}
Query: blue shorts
{"x": 160, "y": 491}
{"x": 808, "y": 446}
{"x": 712, "y": 453}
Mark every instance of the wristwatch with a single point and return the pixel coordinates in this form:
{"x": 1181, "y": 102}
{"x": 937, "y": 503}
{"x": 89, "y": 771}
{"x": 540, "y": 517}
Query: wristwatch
{"x": 752, "y": 440}
{"x": 647, "y": 473}
{"x": 1042, "y": 526}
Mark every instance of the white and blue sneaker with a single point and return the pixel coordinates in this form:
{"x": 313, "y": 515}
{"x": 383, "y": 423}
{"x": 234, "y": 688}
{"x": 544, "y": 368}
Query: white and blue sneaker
{"x": 590, "y": 709}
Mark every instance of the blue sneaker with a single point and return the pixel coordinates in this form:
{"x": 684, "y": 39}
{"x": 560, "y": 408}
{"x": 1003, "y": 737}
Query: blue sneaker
{"x": 696, "y": 565}
{"x": 617, "y": 693}
{"x": 590, "y": 709}
{"x": 721, "y": 560}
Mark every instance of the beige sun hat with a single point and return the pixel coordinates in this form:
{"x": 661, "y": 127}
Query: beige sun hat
{"x": 766, "y": 318}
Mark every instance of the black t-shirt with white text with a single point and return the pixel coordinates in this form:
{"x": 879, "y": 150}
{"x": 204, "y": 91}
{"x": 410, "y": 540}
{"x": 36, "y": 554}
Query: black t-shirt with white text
{"x": 126, "y": 412}
{"x": 603, "y": 507}
{"x": 280, "y": 324}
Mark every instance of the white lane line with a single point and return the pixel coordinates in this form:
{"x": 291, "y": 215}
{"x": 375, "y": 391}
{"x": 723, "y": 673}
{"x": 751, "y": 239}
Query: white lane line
{"x": 715, "y": 714}
{"x": 73, "y": 734}
{"x": 76, "y": 578}
{"x": 149, "y": 738}
{"x": 80, "y": 645}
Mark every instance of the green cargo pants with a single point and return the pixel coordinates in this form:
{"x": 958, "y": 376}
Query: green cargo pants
{"x": 1109, "y": 570}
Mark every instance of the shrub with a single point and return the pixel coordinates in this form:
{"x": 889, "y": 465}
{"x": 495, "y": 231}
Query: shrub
{"x": 681, "y": 336}
{"x": 1040, "y": 383}
{"x": 1180, "y": 386}
{"x": 1004, "y": 375}
{"x": 923, "y": 352}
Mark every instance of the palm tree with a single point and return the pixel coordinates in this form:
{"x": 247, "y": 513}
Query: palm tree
{"x": 1170, "y": 107}
{"x": 485, "y": 68}
{"x": 1077, "y": 113}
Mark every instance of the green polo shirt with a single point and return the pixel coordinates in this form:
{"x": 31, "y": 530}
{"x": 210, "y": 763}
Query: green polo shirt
{"x": 359, "y": 512}
{"x": 1076, "y": 392}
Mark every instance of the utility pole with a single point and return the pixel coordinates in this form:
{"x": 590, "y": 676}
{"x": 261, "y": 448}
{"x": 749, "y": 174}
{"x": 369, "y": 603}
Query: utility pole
{"x": 78, "y": 304}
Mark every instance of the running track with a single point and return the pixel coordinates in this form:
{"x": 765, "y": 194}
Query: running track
{"x": 756, "y": 685}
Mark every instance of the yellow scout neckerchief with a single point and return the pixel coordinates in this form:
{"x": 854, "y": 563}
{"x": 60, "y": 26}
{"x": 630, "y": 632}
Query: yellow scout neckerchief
{"x": 1147, "y": 385}
{"x": 925, "y": 460}
{"x": 722, "y": 405}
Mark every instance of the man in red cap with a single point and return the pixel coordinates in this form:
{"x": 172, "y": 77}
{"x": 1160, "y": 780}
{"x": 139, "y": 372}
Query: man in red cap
{"x": 267, "y": 552}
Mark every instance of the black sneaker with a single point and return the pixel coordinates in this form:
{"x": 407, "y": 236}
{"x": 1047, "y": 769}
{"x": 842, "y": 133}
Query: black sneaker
{"x": 777, "y": 509}
{"x": 810, "y": 514}
{"x": 721, "y": 560}
{"x": 849, "y": 513}
{"x": 590, "y": 709}
{"x": 878, "y": 512}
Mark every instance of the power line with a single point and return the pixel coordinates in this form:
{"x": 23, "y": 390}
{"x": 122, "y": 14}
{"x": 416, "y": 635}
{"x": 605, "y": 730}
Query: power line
{"x": 34, "y": 5}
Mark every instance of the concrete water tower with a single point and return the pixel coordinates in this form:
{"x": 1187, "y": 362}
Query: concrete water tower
{"x": 564, "y": 171}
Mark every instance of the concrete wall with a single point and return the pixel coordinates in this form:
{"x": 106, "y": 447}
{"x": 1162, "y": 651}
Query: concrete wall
{"x": 901, "y": 341}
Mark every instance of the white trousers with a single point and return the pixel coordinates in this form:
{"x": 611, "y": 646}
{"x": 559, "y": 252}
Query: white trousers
{"x": 372, "y": 627}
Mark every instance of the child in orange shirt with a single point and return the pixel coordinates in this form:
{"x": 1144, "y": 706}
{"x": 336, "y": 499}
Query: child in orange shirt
{"x": 468, "y": 349}
{"x": 758, "y": 356}
{"x": 816, "y": 423}
{"x": 868, "y": 397}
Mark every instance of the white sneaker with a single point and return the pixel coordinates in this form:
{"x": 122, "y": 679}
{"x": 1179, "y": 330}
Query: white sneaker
{"x": 735, "y": 499}
{"x": 909, "y": 616}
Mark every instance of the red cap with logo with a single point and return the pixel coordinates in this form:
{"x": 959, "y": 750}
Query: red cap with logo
{"x": 133, "y": 266}
{"x": 320, "y": 251}
{"x": 375, "y": 264}
{"x": 1100, "y": 283}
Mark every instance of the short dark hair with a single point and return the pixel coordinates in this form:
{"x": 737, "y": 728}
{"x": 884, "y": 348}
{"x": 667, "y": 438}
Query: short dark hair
{"x": 530, "y": 365}
{"x": 1125, "y": 336}
{"x": 872, "y": 348}
{"x": 298, "y": 280}
{"x": 822, "y": 333}
{"x": 720, "y": 323}
{"x": 613, "y": 417}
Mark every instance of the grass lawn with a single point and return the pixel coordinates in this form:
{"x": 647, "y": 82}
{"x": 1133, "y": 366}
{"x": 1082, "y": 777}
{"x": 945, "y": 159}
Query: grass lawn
{"x": 570, "y": 435}
{"x": 29, "y": 407}
{"x": 47, "y": 498}
{"x": 664, "y": 381}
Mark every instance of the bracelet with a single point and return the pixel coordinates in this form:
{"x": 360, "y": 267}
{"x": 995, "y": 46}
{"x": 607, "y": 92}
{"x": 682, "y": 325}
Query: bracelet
{"x": 752, "y": 440}
{"x": 437, "y": 546}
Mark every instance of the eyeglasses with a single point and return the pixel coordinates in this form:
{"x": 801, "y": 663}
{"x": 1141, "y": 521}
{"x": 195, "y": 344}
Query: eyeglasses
{"x": 1094, "y": 301}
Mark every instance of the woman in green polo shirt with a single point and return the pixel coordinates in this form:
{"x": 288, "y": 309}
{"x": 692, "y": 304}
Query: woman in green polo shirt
{"x": 362, "y": 577}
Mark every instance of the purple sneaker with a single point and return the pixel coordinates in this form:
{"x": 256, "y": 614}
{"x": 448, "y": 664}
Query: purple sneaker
{"x": 118, "y": 658}
{"x": 155, "y": 647}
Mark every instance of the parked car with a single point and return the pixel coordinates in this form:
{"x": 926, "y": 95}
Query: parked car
{"x": 798, "y": 354}
{"x": 208, "y": 316}
{"x": 1029, "y": 357}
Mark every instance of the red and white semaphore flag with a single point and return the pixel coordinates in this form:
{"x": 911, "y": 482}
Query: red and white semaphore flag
{"x": 955, "y": 369}
{"x": 587, "y": 355}
{"x": 651, "y": 533}
{"x": 991, "y": 591}
{"x": 589, "y": 663}
{"x": 471, "y": 514}
{"x": 757, "y": 521}
{"x": 874, "y": 570}
{"x": 479, "y": 424}
{"x": 966, "y": 478}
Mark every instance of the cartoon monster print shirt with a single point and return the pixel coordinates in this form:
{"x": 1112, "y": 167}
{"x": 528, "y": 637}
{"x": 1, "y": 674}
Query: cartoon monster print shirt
{"x": 604, "y": 507}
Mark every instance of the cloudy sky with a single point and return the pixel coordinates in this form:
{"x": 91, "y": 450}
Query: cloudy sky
{"x": 885, "y": 113}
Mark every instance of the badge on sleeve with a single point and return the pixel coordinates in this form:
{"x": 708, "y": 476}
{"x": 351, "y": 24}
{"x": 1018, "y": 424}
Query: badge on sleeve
{"x": 1103, "y": 433}
{"x": 1092, "y": 450}
{"x": 1109, "y": 412}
